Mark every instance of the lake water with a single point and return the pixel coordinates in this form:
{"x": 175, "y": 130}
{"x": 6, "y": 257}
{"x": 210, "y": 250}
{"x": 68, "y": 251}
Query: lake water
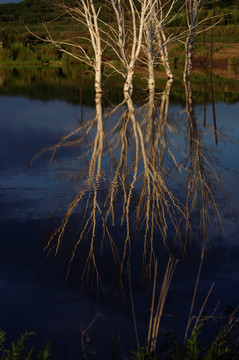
{"x": 126, "y": 198}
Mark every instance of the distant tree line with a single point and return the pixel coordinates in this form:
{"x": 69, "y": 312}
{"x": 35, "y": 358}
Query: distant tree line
{"x": 36, "y": 11}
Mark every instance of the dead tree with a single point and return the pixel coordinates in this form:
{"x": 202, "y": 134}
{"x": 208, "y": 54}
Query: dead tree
{"x": 192, "y": 11}
{"x": 83, "y": 12}
{"x": 126, "y": 41}
{"x": 156, "y": 38}
{"x": 193, "y": 8}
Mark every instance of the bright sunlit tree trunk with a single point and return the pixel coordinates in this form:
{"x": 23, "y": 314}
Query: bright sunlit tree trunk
{"x": 127, "y": 42}
{"x": 84, "y": 13}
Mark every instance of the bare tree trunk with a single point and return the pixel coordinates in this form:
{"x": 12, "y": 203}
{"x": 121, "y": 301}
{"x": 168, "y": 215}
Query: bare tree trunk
{"x": 98, "y": 64}
{"x": 164, "y": 54}
{"x": 161, "y": 16}
{"x": 150, "y": 130}
{"x": 83, "y": 12}
{"x": 212, "y": 35}
{"x": 192, "y": 8}
{"x": 149, "y": 49}
{"x": 128, "y": 56}
{"x": 128, "y": 85}
{"x": 91, "y": 18}
{"x": 188, "y": 54}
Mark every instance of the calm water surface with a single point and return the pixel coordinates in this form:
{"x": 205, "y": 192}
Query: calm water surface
{"x": 35, "y": 193}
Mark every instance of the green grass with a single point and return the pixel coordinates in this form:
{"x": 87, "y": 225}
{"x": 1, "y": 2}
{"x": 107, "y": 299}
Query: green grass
{"x": 194, "y": 348}
{"x": 21, "y": 350}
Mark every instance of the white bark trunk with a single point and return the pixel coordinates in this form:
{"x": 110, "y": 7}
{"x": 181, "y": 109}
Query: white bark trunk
{"x": 98, "y": 64}
{"x": 188, "y": 54}
{"x": 160, "y": 15}
{"x": 129, "y": 58}
{"x": 164, "y": 55}
{"x": 128, "y": 85}
{"x": 151, "y": 75}
{"x": 150, "y": 52}
{"x": 192, "y": 7}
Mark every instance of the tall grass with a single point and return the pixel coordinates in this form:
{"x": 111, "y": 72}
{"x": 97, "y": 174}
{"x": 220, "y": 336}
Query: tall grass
{"x": 20, "y": 349}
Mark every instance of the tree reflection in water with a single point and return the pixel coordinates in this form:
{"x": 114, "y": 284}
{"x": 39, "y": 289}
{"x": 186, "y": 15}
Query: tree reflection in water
{"x": 136, "y": 193}
{"x": 202, "y": 177}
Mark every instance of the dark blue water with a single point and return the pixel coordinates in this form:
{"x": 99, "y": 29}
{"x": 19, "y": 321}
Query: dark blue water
{"x": 34, "y": 294}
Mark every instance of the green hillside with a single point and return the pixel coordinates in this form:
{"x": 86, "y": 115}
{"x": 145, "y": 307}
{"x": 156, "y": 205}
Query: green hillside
{"x": 36, "y": 11}
{"x": 27, "y": 11}
{"x": 18, "y": 45}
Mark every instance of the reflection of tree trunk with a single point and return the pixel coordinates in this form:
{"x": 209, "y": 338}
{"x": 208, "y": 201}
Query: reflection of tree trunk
{"x": 200, "y": 192}
{"x": 157, "y": 205}
{"x": 129, "y": 194}
{"x": 81, "y": 104}
{"x": 163, "y": 116}
{"x": 204, "y": 102}
{"x": 90, "y": 222}
{"x": 92, "y": 215}
{"x": 98, "y": 143}
{"x": 213, "y": 109}
{"x": 193, "y": 132}
{"x": 194, "y": 175}
{"x": 155, "y": 127}
{"x": 160, "y": 139}
{"x": 150, "y": 113}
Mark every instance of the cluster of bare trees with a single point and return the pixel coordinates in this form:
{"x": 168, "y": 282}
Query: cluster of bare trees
{"x": 140, "y": 145}
{"x": 139, "y": 31}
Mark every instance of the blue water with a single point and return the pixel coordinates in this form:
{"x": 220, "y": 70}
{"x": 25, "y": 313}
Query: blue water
{"x": 34, "y": 196}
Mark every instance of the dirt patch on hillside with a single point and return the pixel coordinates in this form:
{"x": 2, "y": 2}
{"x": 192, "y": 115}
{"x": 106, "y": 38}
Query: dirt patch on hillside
{"x": 223, "y": 54}
{"x": 225, "y": 60}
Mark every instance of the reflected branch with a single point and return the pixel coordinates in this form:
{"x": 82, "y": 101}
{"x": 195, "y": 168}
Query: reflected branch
{"x": 200, "y": 172}
{"x": 157, "y": 204}
{"x": 135, "y": 149}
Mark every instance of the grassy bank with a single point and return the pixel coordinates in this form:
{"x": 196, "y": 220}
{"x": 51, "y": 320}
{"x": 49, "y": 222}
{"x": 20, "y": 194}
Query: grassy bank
{"x": 221, "y": 347}
{"x": 17, "y": 53}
